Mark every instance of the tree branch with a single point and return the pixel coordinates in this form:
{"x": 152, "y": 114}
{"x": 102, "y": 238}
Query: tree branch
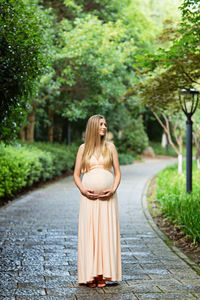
{"x": 166, "y": 129}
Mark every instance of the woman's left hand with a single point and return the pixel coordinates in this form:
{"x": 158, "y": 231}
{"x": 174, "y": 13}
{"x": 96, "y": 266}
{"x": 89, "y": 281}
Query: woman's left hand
{"x": 106, "y": 194}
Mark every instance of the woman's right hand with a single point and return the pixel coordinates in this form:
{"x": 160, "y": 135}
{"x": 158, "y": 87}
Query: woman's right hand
{"x": 89, "y": 194}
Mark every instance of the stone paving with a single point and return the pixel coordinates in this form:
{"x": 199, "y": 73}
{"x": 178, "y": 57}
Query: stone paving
{"x": 38, "y": 246}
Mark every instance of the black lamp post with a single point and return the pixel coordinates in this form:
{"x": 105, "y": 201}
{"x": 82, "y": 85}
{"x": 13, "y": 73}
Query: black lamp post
{"x": 189, "y": 99}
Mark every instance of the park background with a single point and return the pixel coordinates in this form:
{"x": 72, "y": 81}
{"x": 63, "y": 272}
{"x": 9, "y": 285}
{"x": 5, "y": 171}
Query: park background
{"x": 63, "y": 61}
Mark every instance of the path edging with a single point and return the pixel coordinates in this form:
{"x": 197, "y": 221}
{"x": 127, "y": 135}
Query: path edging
{"x": 165, "y": 238}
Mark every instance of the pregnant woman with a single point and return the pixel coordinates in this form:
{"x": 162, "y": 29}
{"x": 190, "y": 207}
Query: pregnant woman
{"x": 99, "y": 249}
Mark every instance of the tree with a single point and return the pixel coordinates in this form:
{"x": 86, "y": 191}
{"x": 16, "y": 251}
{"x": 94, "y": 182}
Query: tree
{"x": 171, "y": 69}
{"x": 178, "y": 66}
{"x": 196, "y": 135}
{"x": 173, "y": 123}
{"x": 95, "y": 55}
{"x": 132, "y": 138}
{"x": 23, "y": 58}
{"x": 95, "y": 44}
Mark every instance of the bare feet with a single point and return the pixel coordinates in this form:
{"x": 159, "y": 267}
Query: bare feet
{"x": 100, "y": 281}
{"x": 101, "y": 284}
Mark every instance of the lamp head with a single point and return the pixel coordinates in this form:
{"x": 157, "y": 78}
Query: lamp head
{"x": 189, "y": 98}
{"x": 187, "y": 91}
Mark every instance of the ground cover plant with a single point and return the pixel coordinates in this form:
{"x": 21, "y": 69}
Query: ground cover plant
{"x": 179, "y": 206}
{"x": 159, "y": 150}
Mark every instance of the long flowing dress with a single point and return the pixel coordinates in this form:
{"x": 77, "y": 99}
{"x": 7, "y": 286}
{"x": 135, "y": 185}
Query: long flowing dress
{"x": 99, "y": 248}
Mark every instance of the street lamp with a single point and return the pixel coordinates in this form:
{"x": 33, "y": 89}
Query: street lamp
{"x": 189, "y": 99}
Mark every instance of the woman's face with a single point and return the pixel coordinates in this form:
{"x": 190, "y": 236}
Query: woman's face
{"x": 102, "y": 127}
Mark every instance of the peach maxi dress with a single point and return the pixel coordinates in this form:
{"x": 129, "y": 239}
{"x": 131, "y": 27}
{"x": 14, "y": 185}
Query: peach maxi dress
{"x": 99, "y": 248}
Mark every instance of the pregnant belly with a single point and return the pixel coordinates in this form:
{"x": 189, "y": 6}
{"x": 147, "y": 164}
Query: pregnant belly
{"x": 98, "y": 180}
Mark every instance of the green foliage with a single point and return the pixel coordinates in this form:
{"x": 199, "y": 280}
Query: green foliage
{"x": 9, "y": 125}
{"x": 25, "y": 51}
{"x": 159, "y": 150}
{"x": 91, "y": 66}
{"x": 25, "y": 164}
{"x": 189, "y": 29}
{"x": 13, "y": 173}
{"x": 176, "y": 204}
{"x": 125, "y": 159}
{"x": 96, "y": 46}
{"x": 63, "y": 157}
{"x": 171, "y": 68}
{"x": 70, "y": 9}
{"x": 22, "y": 166}
{"x": 133, "y": 138}
{"x": 139, "y": 24}
{"x": 118, "y": 119}
{"x": 92, "y": 46}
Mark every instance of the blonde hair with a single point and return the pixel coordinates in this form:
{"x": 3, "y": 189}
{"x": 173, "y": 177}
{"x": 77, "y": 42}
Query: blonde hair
{"x": 93, "y": 141}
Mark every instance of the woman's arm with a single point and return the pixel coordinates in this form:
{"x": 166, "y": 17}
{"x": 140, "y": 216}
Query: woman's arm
{"x": 108, "y": 193}
{"x": 116, "y": 167}
{"x": 77, "y": 176}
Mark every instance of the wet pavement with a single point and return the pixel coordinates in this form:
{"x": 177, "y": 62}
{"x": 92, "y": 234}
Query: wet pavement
{"x": 38, "y": 246}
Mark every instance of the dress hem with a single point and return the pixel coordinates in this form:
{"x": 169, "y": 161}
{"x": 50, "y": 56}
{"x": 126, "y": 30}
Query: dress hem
{"x": 104, "y": 278}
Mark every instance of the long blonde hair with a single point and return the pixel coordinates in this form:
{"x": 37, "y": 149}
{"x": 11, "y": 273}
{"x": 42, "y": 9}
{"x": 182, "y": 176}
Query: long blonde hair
{"x": 95, "y": 142}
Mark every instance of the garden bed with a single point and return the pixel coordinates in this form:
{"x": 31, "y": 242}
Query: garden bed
{"x": 185, "y": 236}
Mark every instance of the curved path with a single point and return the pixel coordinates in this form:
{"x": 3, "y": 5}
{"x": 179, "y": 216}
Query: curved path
{"x": 38, "y": 246}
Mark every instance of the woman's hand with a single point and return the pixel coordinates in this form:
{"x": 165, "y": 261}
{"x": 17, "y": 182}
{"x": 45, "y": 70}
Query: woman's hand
{"x": 106, "y": 194}
{"x": 90, "y": 194}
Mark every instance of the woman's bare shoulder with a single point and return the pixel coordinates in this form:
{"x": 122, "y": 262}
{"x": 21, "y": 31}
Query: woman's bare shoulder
{"x": 111, "y": 145}
{"x": 81, "y": 147}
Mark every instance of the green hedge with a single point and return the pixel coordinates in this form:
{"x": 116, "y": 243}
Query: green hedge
{"x": 23, "y": 165}
{"x": 125, "y": 159}
{"x": 179, "y": 206}
{"x": 134, "y": 139}
{"x": 63, "y": 156}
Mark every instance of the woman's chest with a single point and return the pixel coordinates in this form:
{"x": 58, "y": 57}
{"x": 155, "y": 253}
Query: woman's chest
{"x": 96, "y": 160}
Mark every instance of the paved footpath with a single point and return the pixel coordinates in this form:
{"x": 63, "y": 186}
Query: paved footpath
{"x": 38, "y": 246}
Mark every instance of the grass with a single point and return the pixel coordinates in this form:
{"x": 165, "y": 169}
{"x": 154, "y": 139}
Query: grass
{"x": 179, "y": 206}
{"x": 159, "y": 150}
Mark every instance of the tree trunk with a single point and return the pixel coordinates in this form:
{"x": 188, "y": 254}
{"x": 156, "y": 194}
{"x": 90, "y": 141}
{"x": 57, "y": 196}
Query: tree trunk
{"x": 22, "y": 133}
{"x": 197, "y": 155}
{"x": 30, "y": 127}
{"x": 179, "y": 139}
{"x": 180, "y": 160}
{"x": 51, "y": 126}
{"x": 68, "y": 133}
{"x": 198, "y": 163}
{"x": 196, "y": 137}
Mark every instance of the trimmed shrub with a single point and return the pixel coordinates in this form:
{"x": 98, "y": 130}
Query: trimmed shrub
{"x": 13, "y": 173}
{"x": 134, "y": 138}
{"x": 125, "y": 159}
{"x": 63, "y": 156}
{"x": 25, "y": 164}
